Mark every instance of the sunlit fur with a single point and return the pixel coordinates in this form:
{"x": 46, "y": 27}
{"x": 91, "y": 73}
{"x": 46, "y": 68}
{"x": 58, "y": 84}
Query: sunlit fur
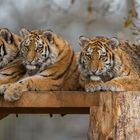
{"x": 50, "y": 63}
{"x": 109, "y": 64}
{"x": 11, "y": 68}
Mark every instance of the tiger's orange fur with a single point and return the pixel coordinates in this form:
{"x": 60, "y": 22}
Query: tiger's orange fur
{"x": 107, "y": 64}
{"x": 11, "y": 67}
{"x": 50, "y": 63}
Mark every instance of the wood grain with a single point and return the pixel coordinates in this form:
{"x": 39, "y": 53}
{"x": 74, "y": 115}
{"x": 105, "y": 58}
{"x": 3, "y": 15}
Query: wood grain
{"x": 56, "y": 102}
{"x": 116, "y": 118}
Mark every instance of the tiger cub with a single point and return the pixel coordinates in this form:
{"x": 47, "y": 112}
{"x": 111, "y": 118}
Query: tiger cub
{"x": 107, "y": 64}
{"x": 50, "y": 62}
{"x": 11, "y": 67}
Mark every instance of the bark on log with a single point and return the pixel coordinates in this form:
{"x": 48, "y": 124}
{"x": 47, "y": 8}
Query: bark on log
{"x": 116, "y": 118}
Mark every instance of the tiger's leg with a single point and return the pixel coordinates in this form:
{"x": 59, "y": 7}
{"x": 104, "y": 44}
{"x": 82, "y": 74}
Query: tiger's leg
{"x": 126, "y": 83}
{"x": 83, "y": 81}
{"x": 14, "y": 91}
{"x": 12, "y": 73}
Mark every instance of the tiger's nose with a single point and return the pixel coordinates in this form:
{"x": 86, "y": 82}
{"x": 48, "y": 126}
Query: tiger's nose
{"x": 93, "y": 72}
{"x": 31, "y": 62}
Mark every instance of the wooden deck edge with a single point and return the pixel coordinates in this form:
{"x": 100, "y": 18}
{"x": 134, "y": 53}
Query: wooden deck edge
{"x": 57, "y": 102}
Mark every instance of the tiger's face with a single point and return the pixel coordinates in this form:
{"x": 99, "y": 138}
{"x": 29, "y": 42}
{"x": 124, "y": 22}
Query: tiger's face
{"x": 35, "y": 49}
{"x": 9, "y": 46}
{"x": 97, "y": 55}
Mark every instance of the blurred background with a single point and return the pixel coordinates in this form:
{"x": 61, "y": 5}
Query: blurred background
{"x": 70, "y": 19}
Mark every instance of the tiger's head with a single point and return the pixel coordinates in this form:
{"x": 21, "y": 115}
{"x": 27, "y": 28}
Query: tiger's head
{"x": 39, "y": 49}
{"x": 9, "y": 46}
{"x": 97, "y": 56}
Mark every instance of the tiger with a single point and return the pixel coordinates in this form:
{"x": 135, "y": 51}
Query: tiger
{"x": 11, "y": 67}
{"x": 50, "y": 65}
{"x": 108, "y": 64}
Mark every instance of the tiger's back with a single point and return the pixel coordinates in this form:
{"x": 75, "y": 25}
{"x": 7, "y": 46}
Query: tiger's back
{"x": 65, "y": 70}
{"x": 132, "y": 53}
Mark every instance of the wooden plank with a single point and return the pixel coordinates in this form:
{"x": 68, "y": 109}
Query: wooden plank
{"x": 56, "y": 102}
{"x": 54, "y": 99}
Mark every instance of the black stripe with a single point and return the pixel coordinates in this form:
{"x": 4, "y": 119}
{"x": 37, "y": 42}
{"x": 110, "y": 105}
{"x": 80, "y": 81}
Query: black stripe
{"x": 60, "y": 53}
{"x": 80, "y": 58}
{"x": 62, "y": 74}
{"x": 5, "y": 52}
{"x": 15, "y": 76}
{"x": 9, "y": 74}
{"x": 48, "y": 49}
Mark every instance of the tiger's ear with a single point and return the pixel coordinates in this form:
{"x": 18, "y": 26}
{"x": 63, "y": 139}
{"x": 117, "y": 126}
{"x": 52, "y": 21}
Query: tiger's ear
{"x": 24, "y": 32}
{"x": 83, "y": 41}
{"x": 49, "y": 35}
{"x": 6, "y": 35}
{"x": 114, "y": 43}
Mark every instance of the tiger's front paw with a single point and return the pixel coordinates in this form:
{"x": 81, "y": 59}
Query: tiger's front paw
{"x": 113, "y": 86}
{"x": 11, "y": 92}
{"x": 3, "y": 88}
{"x": 93, "y": 88}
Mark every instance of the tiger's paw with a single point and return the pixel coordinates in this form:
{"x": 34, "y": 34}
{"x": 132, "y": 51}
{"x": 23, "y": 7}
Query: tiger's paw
{"x": 11, "y": 92}
{"x": 112, "y": 86}
{"x": 3, "y": 88}
{"x": 93, "y": 88}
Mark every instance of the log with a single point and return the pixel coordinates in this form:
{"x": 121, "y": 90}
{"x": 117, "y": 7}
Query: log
{"x": 116, "y": 118}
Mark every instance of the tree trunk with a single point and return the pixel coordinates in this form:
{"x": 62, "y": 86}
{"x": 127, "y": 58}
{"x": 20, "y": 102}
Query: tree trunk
{"x": 116, "y": 118}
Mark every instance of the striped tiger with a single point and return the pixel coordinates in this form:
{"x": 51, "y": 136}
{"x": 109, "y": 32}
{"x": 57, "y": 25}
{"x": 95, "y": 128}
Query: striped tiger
{"x": 50, "y": 62}
{"x": 11, "y": 67}
{"x": 107, "y": 64}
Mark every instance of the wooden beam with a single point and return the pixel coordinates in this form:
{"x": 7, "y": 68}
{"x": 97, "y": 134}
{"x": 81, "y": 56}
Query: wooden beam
{"x": 56, "y": 102}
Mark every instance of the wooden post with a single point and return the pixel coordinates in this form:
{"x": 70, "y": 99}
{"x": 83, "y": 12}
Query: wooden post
{"x": 116, "y": 118}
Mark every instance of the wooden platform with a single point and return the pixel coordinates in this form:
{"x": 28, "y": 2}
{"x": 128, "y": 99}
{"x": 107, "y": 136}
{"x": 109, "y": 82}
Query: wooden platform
{"x": 56, "y": 102}
{"x": 112, "y": 115}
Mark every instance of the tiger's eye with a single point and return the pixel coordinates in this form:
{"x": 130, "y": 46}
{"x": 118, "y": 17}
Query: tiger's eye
{"x": 103, "y": 53}
{"x": 108, "y": 64}
{"x": 39, "y": 46}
